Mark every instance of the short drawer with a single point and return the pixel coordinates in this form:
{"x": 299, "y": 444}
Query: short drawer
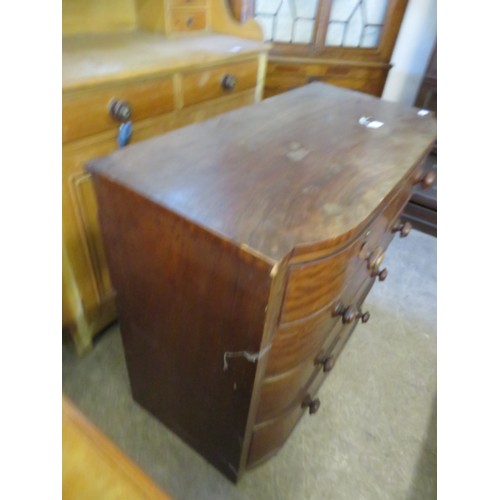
{"x": 189, "y": 3}
{"x": 86, "y": 113}
{"x": 211, "y": 83}
{"x": 188, "y": 19}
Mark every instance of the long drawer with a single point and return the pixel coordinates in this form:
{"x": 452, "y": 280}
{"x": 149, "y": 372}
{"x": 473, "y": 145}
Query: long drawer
{"x": 271, "y": 433}
{"x": 314, "y": 285}
{"x": 280, "y": 389}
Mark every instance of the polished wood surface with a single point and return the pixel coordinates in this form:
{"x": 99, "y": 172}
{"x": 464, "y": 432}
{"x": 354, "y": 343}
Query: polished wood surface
{"x": 260, "y": 182}
{"x": 94, "y": 467}
{"x": 201, "y": 227}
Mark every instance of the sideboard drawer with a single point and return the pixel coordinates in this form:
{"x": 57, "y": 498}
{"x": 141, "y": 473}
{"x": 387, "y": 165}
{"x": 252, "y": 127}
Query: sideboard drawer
{"x": 189, "y": 3}
{"x": 86, "y": 113}
{"x": 212, "y": 83}
{"x": 188, "y": 19}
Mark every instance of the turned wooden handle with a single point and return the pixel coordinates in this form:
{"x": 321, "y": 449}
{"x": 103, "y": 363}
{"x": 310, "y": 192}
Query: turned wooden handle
{"x": 376, "y": 258}
{"x": 350, "y": 313}
{"x": 426, "y": 180}
{"x": 312, "y": 404}
{"x": 382, "y": 275}
{"x": 327, "y": 363}
{"x": 228, "y": 82}
{"x": 403, "y": 228}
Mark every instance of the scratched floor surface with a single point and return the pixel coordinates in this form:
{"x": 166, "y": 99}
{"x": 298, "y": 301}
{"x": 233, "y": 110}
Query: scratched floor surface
{"x": 374, "y": 436}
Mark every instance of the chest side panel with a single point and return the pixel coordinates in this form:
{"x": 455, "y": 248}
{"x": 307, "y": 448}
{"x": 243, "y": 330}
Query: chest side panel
{"x": 187, "y": 300}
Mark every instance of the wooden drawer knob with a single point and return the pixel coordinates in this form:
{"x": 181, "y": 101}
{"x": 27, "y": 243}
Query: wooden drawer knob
{"x": 189, "y": 22}
{"x": 426, "y": 180}
{"x": 312, "y": 404}
{"x": 376, "y": 258}
{"x": 350, "y": 313}
{"x": 228, "y": 82}
{"x": 403, "y": 228}
{"x": 373, "y": 258}
{"x": 382, "y": 275}
{"x": 327, "y": 363}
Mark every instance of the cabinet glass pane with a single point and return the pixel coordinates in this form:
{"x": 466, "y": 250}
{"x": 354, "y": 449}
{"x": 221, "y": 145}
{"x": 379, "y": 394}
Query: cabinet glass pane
{"x": 288, "y": 21}
{"x": 356, "y": 23}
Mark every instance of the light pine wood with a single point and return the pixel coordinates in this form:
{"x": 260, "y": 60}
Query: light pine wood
{"x": 204, "y": 85}
{"x": 110, "y": 58}
{"x": 97, "y": 16}
{"x": 84, "y": 113}
{"x": 188, "y": 20}
{"x": 201, "y": 241}
{"x": 152, "y": 15}
{"x": 223, "y": 21}
{"x": 94, "y": 467}
{"x": 147, "y": 70}
{"x": 156, "y": 16}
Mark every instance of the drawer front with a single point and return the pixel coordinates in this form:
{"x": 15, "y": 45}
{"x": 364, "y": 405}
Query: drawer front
{"x": 271, "y": 433}
{"x": 189, "y": 3}
{"x": 281, "y": 389}
{"x": 268, "y": 438}
{"x": 86, "y": 113}
{"x": 314, "y": 285}
{"x": 188, "y": 19}
{"x": 294, "y": 342}
{"x": 209, "y": 84}
{"x": 380, "y": 231}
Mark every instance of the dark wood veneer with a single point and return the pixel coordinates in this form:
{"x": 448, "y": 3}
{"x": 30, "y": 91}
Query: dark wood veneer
{"x": 232, "y": 242}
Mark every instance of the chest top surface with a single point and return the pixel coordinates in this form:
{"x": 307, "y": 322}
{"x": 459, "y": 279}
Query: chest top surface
{"x": 294, "y": 170}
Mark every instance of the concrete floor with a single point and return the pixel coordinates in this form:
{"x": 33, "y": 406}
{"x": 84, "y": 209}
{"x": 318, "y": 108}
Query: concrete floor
{"x": 374, "y": 436}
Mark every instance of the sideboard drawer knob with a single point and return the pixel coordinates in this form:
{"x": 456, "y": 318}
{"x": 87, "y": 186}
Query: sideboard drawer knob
{"x": 120, "y": 110}
{"x": 312, "y": 404}
{"x": 403, "y": 228}
{"x": 228, "y": 82}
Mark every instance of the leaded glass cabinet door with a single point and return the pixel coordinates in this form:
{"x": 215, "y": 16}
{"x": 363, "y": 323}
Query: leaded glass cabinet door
{"x": 356, "y": 23}
{"x": 326, "y": 25}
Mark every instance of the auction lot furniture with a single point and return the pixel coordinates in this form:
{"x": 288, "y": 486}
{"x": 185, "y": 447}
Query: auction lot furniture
{"x": 242, "y": 249}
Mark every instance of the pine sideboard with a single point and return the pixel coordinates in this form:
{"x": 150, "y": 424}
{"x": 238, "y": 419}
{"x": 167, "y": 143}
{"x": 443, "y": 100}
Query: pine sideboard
{"x": 242, "y": 249}
{"x": 160, "y": 65}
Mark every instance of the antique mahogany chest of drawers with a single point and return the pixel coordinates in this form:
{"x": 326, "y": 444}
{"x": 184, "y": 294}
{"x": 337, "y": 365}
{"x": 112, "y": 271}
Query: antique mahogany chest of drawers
{"x": 241, "y": 250}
